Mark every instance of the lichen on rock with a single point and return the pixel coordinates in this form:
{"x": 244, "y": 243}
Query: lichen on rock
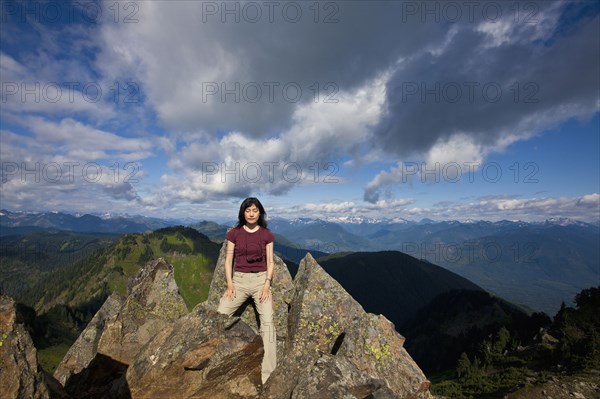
{"x": 329, "y": 329}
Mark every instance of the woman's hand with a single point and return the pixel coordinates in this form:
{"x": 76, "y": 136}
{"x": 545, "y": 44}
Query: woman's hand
{"x": 265, "y": 292}
{"x": 230, "y": 292}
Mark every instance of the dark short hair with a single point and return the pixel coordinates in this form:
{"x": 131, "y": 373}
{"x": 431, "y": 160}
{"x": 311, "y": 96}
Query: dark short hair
{"x": 247, "y": 203}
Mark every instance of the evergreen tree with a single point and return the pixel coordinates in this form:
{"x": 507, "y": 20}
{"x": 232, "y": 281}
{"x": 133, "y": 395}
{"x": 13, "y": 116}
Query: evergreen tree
{"x": 164, "y": 245}
{"x": 501, "y": 341}
{"x": 146, "y": 255}
{"x": 463, "y": 368}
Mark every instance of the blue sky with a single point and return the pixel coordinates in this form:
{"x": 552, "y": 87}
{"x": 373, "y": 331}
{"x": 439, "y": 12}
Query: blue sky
{"x": 461, "y": 110}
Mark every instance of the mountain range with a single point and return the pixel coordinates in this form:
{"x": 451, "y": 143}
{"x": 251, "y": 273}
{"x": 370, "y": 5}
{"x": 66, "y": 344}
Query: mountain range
{"x": 538, "y": 265}
{"x": 62, "y": 267}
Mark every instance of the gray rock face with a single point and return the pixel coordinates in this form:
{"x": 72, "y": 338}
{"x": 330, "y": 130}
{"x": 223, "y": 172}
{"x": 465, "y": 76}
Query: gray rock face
{"x": 203, "y": 355}
{"x": 153, "y": 304}
{"x": 20, "y": 374}
{"x": 95, "y": 365}
{"x": 335, "y": 348}
{"x": 85, "y": 348}
{"x": 145, "y": 346}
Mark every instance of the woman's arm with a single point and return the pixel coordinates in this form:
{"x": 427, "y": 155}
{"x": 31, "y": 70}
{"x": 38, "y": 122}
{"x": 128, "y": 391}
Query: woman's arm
{"x": 264, "y": 294}
{"x": 230, "y": 291}
{"x": 270, "y": 261}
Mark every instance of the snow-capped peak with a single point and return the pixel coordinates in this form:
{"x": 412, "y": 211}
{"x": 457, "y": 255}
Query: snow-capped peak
{"x": 564, "y": 222}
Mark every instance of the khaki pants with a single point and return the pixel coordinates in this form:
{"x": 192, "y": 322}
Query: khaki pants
{"x": 250, "y": 285}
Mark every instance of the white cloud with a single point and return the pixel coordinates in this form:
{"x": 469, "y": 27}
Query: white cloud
{"x": 336, "y": 211}
{"x": 78, "y": 141}
{"x": 55, "y": 186}
{"x": 320, "y": 133}
{"x": 336, "y": 208}
{"x": 179, "y": 67}
{"x": 474, "y": 89}
{"x": 68, "y": 165}
{"x": 591, "y": 200}
{"x": 527, "y": 23}
{"x": 586, "y": 208}
{"x": 448, "y": 160}
{"x": 175, "y": 53}
{"x": 458, "y": 148}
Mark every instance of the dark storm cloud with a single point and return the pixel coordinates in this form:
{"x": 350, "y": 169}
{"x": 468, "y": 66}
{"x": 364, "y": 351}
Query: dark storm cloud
{"x": 492, "y": 85}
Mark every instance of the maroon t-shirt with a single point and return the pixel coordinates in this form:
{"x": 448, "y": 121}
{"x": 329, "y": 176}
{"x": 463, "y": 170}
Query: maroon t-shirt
{"x": 250, "y": 253}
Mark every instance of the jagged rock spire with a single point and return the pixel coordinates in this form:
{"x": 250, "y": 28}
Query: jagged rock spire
{"x": 335, "y": 348}
{"x": 97, "y": 361}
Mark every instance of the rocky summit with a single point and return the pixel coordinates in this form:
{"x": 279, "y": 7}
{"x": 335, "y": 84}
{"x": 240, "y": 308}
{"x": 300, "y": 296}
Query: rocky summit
{"x": 335, "y": 349}
{"x": 147, "y": 345}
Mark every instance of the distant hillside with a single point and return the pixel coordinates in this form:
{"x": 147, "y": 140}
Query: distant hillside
{"x": 214, "y": 231}
{"x": 319, "y": 235}
{"x": 192, "y": 254}
{"x": 538, "y": 265}
{"x": 30, "y": 258}
{"x": 21, "y": 222}
{"x": 458, "y": 321}
{"x": 66, "y": 299}
{"x": 391, "y": 282}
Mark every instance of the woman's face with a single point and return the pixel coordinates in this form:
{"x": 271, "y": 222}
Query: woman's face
{"x": 251, "y": 214}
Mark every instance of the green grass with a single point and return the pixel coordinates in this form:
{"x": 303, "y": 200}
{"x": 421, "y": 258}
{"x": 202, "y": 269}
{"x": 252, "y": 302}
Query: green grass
{"x": 493, "y": 382}
{"x": 117, "y": 282}
{"x": 50, "y": 357}
{"x": 192, "y": 275}
{"x": 129, "y": 264}
{"x": 193, "y": 272}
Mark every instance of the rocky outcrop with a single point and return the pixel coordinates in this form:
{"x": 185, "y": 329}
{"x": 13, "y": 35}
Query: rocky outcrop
{"x": 328, "y": 346}
{"x": 335, "y": 348}
{"x": 20, "y": 374}
{"x": 583, "y": 385}
{"x": 203, "y": 355}
{"x": 207, "y": 355}
{"x": 152, "y": 304}
{"x": 82, "y": 352}
{"x": 95, "y": 365}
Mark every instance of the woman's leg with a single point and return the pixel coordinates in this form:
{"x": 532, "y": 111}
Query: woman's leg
{"x": 242, "y": 293}
{"x": 267, "y": 328}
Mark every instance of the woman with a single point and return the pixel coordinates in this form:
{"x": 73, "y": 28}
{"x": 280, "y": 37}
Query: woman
{"x": 251, "y": 244}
